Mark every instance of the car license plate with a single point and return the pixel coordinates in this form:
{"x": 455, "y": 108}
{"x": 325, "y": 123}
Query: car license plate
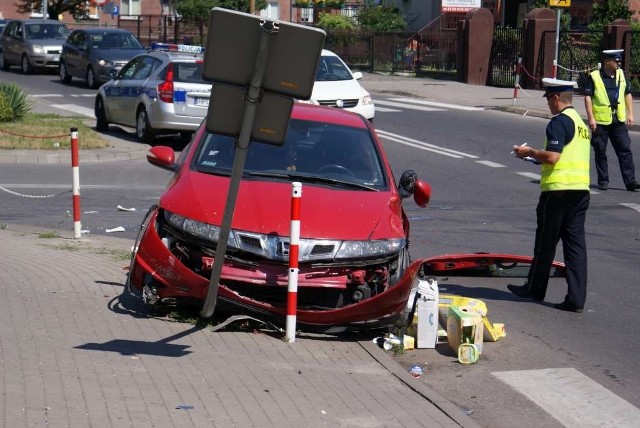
{"x": 201, "y": 102}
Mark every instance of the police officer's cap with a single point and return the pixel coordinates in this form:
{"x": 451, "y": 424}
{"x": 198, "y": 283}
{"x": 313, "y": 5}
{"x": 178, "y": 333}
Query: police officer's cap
{"x": 613, "y": 54}
{"x": 552, "y": 86}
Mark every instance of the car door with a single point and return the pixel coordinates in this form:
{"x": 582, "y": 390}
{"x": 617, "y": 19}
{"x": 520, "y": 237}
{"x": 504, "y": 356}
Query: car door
{"x": 76, "y": 53}
{"x": 14, "y": 39}
{"x": 123, "y": 92}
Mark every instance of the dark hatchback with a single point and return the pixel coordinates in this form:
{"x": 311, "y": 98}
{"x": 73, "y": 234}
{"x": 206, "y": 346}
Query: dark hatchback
{"x": 92, "y": 53}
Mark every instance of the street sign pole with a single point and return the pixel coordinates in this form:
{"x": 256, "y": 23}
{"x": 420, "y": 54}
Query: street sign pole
{"x": 555, "y": 57}
{"x": 269, "y": 29}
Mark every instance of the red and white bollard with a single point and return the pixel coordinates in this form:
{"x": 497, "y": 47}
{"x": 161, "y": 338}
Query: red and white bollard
{"x": 294, "y": 252}
{"x": 77, "y": 227}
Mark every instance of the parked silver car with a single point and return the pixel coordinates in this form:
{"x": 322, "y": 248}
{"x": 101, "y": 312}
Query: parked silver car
{"x": 92, "y": 53}
{"x": 32, "y": 44}
{"x": 158, "y": 92}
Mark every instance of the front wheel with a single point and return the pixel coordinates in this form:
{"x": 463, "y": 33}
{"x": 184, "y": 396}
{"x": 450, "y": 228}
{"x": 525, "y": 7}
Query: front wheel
{"x": 4, "y": 65}
{"x": 143, "y": 127}
{"x": 91, "y": 79}
{"x": 25, "y": 65}
{"x": 63, "y": 73}
{"x": 102, "y": 124}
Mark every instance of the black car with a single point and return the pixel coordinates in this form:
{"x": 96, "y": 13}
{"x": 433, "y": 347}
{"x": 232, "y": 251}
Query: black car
{"x": 93, "y": 54}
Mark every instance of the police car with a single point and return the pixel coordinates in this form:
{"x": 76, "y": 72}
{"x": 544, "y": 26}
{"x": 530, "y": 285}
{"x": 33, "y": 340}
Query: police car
{"x": 157, "y": 92}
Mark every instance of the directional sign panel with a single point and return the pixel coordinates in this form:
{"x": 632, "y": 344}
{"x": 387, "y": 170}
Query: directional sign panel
{"x": 559, "y": 3}
{"x": 232, "y": 48}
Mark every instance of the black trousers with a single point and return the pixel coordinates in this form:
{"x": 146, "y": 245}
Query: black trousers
{"x": 619, "y": 135}
{"x": 561, "y": 215}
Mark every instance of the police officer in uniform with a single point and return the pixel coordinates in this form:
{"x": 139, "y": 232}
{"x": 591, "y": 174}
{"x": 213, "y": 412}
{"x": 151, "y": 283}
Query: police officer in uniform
{"x": 609, "y": 106}
{"x": 564, "y": 199}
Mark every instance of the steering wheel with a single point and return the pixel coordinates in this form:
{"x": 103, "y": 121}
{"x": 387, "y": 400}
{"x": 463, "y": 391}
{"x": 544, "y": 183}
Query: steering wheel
{"x": 335, "y": 167}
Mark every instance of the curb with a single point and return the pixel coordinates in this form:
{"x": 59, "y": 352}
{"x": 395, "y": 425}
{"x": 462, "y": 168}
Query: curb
{"x": 419, "y": 387}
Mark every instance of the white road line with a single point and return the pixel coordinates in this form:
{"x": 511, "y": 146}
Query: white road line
{"x": 632, "y": 206}
{"x": 83, "y": 95}
{"x": 421, "y": 147}
{"x": 76, "y": 109}
{"x": 491, "y": 164}
{"x": 384, "y": 109}
{"x": 45, "y": 95}
{"x": 403, "y": 105}
{"x": 530, "y": 175}
{"x": 435, "y": 104}
{"x": 572, "y": 398}
{"x": 422, "y": 144}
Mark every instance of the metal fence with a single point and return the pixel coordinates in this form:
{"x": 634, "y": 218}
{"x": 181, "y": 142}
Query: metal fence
{"x": 505, "y": 51}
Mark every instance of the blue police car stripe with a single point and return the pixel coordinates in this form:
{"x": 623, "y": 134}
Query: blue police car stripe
{"x": 179, "y": 96}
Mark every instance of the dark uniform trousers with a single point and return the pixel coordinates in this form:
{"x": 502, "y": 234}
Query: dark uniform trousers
{"x": 561, "y": 215}
{"x": 619, "y": 135}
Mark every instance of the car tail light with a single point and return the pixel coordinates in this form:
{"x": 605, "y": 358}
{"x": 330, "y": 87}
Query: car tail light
{"x": 165, "y": 89}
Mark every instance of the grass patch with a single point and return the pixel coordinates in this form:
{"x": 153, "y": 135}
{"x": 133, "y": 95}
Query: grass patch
{"x": 117, "y": 254}
{"x": 41, "y": 131}
{"x": 48, "y": 235}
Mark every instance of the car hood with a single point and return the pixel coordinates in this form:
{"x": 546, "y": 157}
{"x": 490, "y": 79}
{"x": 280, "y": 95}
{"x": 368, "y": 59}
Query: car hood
{"x": 265, "y": 207}
{"x": 339, "y": 89}
{"x": 47, "y": 42}
{"x": 117, "y": 55}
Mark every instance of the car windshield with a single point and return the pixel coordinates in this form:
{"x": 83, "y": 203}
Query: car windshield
{"x": 312, "y": 152}
{"x": 46, "y": 31}
{"x": 331, "y": 68}
{"x": 109, "y": 40}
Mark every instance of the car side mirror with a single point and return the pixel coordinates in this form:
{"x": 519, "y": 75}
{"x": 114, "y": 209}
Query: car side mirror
{"x": 357, "y": 75}
{"x": 113, "y": 74}
{"x": 163, "y": 157}
{"x": 410, "y": 185}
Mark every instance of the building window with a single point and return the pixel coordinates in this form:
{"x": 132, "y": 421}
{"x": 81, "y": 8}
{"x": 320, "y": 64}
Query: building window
{"x": 130, "y": 7}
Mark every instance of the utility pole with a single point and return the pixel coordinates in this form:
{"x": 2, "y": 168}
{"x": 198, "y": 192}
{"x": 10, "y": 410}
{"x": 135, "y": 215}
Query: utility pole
{"x": 252, "y": 6}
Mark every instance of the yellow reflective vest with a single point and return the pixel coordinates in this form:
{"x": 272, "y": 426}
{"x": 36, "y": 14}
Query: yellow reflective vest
{"x": 571, "y": 172}
{"x": 602, "y": 111}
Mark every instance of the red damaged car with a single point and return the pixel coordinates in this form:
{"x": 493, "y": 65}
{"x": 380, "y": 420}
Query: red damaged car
{"x": 354, "y": 270}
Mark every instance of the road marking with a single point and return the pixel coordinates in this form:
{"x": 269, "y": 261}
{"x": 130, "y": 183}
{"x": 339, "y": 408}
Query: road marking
{"x": 402, "y": 105}
{"x": 572, "y": 398}
{"x": 83, "y": 95}
{"x": 491, "y": 164}
{"x": 435, "y": 104}
{"x": 45, "y": 95}
{"x": 384, "y": 109}
{"x": 76, "y": 109}
{"x": 422, "y": 145}
{"x": 530, "y": 175}
{"x": 632, "y": 206}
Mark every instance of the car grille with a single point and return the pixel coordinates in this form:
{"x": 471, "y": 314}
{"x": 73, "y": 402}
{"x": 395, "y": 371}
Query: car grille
{"x": 53, "y": 51}
{"x": 332, "y": 103}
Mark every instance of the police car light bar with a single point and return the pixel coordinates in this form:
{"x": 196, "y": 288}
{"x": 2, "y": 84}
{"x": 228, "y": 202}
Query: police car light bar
{"x": 173, "y": 47}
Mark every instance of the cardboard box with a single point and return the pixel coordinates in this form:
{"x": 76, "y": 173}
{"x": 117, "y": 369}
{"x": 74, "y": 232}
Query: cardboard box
{"x": 427, "y": 313}
{"x": 464, "y": 325}
{"x": 492, "y": 332}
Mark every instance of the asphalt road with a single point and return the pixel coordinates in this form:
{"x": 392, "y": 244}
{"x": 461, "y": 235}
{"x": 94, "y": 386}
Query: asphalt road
{"x": 483, "y": 200}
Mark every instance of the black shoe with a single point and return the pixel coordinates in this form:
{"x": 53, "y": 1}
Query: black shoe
{"x": 633, "y": 187}
{"x": 521, "y": 291}
{"x": 569, "y": 307}
{"x": 603, "y": 186}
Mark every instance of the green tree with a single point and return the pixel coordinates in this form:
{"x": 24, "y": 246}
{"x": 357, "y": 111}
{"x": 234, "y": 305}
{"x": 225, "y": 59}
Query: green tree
{"x": 330, "y": 21}
{"x": 77, "y": 8}
{"x": 383, "y": 17}
{"x": 198, "y": 10}
{"x": 608, "y": 11}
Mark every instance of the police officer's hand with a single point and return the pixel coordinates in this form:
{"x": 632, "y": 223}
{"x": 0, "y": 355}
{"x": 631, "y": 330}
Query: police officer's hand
{"x": 592, "y": 124}
{"x": 630, "y": 120}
